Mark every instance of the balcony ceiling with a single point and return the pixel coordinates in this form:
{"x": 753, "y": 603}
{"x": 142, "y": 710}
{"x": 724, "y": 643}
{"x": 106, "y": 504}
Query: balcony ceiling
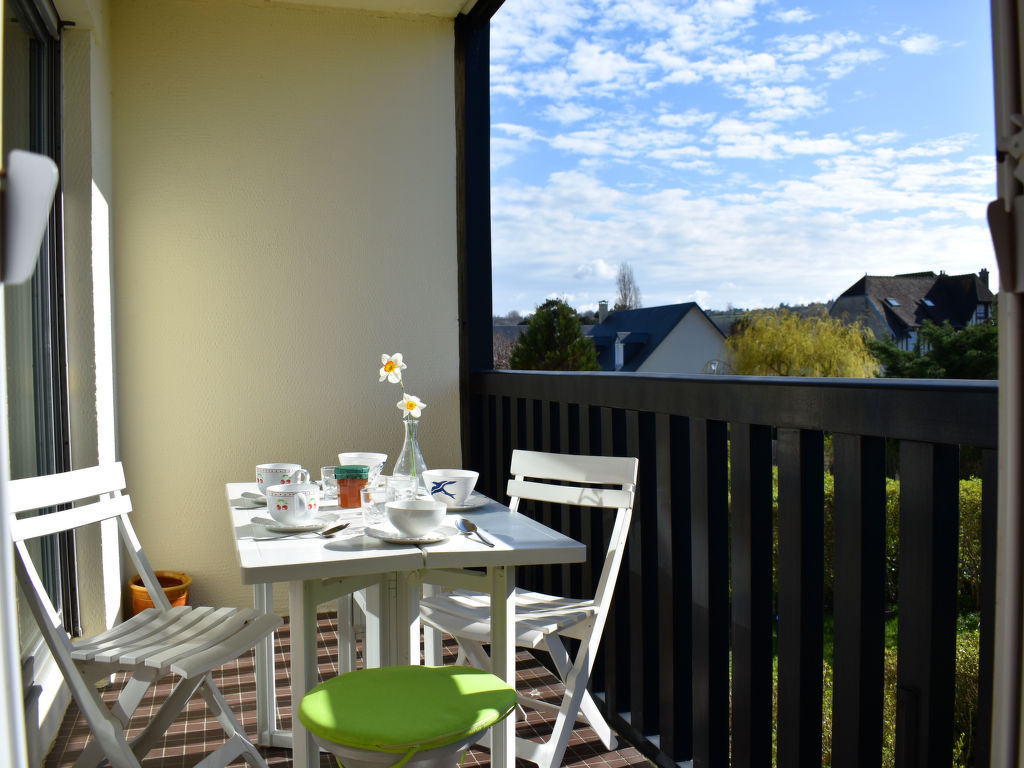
{"x": 446, "y": 8}
{"x": 80, "y": 12}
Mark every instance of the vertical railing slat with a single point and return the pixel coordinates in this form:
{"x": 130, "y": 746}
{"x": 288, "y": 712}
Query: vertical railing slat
{"x": 675, "y": 577}
{"x": 642, "y": 551}
{"x": 859, "y": 599}
{"x": 709, "y": 511}
{"x": 801, "y": 576}
{"x": 752, "y": 598}
{"x": 929, "y": 527}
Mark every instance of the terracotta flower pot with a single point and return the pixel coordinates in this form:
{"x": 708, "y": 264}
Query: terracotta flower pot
{"x": 175, "y": 585}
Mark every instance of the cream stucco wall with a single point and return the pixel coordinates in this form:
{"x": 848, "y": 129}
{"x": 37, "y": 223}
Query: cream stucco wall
{"x": 686, "y": 349}
{"x": 283, "y": 212}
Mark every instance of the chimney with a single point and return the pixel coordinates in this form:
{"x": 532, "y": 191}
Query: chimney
{"x": 983, "y": 276}
{"x": 602, "y": 310}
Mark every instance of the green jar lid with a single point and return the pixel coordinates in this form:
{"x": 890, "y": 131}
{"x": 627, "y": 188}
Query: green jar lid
{"x": 352, "y": 472}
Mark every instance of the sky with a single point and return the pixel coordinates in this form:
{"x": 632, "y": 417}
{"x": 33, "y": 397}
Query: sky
{"x": 736, "y": 153}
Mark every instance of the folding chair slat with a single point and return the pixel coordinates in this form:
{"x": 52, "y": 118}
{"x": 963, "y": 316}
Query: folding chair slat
{"x": 27, "y": 528}
{"x": 86, "y": 649}
{"x": 570, "y": 494}
{"x": 189, "y": 642}
{"x": 605, "y": 470}
{"x": 213, "y": 630}
{"x": 104, "y": 648}
{"x": 227, "y": 650}
{"x": 188, "y": 626}
{"x": 64, "y": 487}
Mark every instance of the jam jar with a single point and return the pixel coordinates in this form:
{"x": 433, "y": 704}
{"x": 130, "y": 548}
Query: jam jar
{"x": 351, "y": 478}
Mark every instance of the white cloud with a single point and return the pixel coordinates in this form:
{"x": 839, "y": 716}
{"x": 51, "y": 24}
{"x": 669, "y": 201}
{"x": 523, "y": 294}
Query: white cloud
{"x": 678, "y": 67}
{"x": 792, "y": 16}
{"x": 921, "y": 44}
{"x": 684, "y": 120}
{"x": 595, "y": 64}
{"x": 777, "y": 103}
{"x": 598, "y": 268}
{"x": 813, "y": 46}
{"x": 567, "y": 113}
{"x": 886, "y": 137}
{"x": 844, "y": 62}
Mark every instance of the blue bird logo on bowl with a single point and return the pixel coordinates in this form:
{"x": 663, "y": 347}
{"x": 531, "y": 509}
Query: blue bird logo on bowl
{"x": 441, "y": 486}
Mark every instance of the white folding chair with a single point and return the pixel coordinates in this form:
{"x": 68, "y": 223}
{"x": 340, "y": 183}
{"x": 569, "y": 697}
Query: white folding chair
{"x": 188, "y": 642}
{"x": 582, "y": 483}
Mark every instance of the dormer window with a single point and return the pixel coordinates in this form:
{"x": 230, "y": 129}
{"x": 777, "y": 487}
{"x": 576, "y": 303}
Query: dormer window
{"x": 928, "y": 302}
{"x": 891, "y": 301}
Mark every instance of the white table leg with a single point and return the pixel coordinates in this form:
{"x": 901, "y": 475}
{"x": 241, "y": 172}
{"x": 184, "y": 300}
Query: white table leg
{"x": 433, "y": 650}
{"x": 302, "y": 609}
{"x": 407, "y": 618}
{"x": 266, "y": 700}
{"x": 503, "y": 659}
{"x": 346, "y": 635}
{"x": 372, "y": 641}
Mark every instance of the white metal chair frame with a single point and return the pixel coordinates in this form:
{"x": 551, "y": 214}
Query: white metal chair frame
{"x": 543, "y": 620}
{"x": 188, "y": 642}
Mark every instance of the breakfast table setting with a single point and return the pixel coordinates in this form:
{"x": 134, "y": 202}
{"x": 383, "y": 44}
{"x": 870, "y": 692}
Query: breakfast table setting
{"x": 387, "y": 540}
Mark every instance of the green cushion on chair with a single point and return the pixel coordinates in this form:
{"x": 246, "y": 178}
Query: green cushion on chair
{"x": 406, "y": 709}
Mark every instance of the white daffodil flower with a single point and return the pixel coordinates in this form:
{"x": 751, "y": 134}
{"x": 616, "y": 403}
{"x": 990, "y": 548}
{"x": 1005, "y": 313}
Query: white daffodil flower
{"x": 412, "y": 405}
{"x": 391, "y": 367}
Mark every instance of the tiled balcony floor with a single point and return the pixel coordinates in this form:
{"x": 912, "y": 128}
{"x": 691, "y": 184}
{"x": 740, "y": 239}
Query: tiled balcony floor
{"x": 195, "y": 732}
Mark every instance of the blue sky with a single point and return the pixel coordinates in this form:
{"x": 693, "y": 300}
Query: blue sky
{"x": 736, "y": 152}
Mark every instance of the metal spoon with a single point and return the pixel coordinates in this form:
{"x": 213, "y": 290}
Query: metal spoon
{"x": 327, "y": 534}
{"x": 468, "y": 527}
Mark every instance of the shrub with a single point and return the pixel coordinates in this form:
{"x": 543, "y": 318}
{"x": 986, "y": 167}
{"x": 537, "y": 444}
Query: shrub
{"x": 969, "y": 587}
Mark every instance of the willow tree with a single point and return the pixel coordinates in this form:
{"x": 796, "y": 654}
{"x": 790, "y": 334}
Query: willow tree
{"x": 554, "y": 341}
{"x": 779, "y": 342}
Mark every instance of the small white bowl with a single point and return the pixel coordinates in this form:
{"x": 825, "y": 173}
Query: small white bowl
{"x": 451, "y": 486}
{"x": 375, "y": 461}
{"x": 415, "y": 517}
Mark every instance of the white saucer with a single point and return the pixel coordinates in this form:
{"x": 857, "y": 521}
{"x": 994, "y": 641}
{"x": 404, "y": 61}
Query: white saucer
{"x": 391, "y": 535}
{"x": 475, "y": 500}
{"x": 296, "y": 528}
{"x": 275, "y": 527}
{"x": 247, "y": 503}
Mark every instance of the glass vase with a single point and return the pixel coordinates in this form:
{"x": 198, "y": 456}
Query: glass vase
{"x": 410, "y": 462}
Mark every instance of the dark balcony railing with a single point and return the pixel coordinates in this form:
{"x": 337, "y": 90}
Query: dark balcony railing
{"x": 697, "y": 609}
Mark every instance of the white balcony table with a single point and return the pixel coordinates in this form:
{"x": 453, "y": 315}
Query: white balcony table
{"x": 318, "y": 570}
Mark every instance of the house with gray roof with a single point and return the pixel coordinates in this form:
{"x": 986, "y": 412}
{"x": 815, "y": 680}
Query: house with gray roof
{"x": 895, "y": 307}
{"x": 676, "y": 338}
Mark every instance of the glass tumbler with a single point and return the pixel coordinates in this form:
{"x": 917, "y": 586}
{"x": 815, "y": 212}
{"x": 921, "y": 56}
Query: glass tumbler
{"x": 330, "y": 482}
{"x": 372, "y": 499}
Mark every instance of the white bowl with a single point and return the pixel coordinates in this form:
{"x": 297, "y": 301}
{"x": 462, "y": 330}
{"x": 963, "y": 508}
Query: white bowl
{"x": 451, "y": 486}
{"x": 415, "y": 517}
{"x": 375, "y": 461}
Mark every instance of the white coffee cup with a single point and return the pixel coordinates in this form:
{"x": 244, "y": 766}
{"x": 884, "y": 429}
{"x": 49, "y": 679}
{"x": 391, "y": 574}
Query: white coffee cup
{"x": 293, "y": 503}
{"x": 279, "y": 473}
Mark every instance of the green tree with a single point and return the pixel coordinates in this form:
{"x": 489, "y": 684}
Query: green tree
{"x": 942, "y": 352}
{"x": 780, "y": 342}
{"x": 554, "y": 341}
